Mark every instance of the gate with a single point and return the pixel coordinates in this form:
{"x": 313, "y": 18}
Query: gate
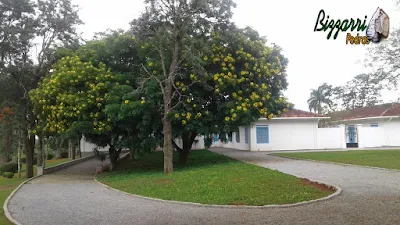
{"x": 351, "y": 136}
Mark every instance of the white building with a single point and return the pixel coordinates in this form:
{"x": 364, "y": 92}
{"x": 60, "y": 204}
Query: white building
{"x": 293, "y": 130}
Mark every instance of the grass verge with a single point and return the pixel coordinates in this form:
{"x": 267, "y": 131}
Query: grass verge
{"x": 210, "y": 178}
{"x": 388, "y": 159}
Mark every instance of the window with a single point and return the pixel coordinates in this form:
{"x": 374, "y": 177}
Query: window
{"x": 246, "y": 135}
{"x": 262, "y": 134}
{"x": 374, "y": 124}
{"x": 215, "y": 137}
{"x": 230, "y": 137}
{"x": 237, "y": 136}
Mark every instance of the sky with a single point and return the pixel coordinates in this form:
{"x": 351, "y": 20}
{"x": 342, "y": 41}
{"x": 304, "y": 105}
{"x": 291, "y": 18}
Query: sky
{"x": 313, "y": 59}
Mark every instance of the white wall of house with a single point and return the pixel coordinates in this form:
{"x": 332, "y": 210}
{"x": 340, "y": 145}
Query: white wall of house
{"x": 371, "y": 137}
{"x": 296, "y": 134}
{"x": 88, "y": 147}
{"x": 387, "y": 132}
{"x": 285, "y": 135}
{"x": 329, "y": 138}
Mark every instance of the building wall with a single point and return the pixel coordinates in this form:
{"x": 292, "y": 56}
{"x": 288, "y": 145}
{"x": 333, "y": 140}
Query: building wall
{"x": 386, "y": 134}
{"x": 371, "y": 137}
{"x": 87, "y": 147}
{"x": 292, "y": 134}
{"x": 328, "y": 138}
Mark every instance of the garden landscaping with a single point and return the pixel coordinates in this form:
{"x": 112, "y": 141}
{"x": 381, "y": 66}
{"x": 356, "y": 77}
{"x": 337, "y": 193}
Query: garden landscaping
{"x": 388, "y": 159}
{"x": 210, "y": 178}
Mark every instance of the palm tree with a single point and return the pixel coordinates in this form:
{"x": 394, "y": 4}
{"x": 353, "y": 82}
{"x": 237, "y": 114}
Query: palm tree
{"x": 320, "y": 98}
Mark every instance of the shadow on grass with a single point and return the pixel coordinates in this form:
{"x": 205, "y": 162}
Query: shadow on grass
{"x": 155, "y": 162}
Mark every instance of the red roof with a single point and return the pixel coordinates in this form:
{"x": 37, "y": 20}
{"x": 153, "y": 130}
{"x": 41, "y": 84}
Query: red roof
{"x": 293, "y": 113}
{"x": 390, "y": 109}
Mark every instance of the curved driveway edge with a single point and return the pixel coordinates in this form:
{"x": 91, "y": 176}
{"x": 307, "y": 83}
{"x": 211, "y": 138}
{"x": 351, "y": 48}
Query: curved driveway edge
{"x": 338, "y": 190}
{"x": 5, "y": 206}
{"x": 72, "y": 197}
{"x": 52, "y": 169}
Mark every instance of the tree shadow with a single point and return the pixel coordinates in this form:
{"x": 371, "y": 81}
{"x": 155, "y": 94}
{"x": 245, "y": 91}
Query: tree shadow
{"x": 155, "y": 162}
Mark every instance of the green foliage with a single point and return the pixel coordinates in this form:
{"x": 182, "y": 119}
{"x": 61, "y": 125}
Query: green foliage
{"x": 9, "y": 167}
{"x": 64, "y": 155}
{"x": 50, "y": 156}
{"x": 244, "y": 81}
{"x": 8, "y": 174}
{"x": 72, "y": 99}
{"x": 320, "y": 100}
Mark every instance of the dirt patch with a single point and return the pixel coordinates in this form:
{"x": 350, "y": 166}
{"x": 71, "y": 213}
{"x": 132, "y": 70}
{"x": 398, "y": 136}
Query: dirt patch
{"x": 8, "y": 187}
{"x": 163, "y": 181}
{"x": 322, "y": 187}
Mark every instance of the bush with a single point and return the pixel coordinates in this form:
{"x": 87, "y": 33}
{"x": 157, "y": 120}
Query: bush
{"x": 23, "y": 160}
{"x": 9, "y": 167}
{"x": 8, "y": 174}
{"x": 64, "y": 155}
{"x": 50, "y": 156}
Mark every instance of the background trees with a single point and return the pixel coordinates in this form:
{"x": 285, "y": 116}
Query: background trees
{"x": 320, "y": 100}
{"x": 30, "y": 32}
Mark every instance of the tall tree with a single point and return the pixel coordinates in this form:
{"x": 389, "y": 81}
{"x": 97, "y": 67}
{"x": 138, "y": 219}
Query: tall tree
{"x": 320, "y": 99}
{"x": 363, "y": 90}
{"x": 172, "y": 30}
{"x": 244, "y": 81}
{"x": 31, "y": 30}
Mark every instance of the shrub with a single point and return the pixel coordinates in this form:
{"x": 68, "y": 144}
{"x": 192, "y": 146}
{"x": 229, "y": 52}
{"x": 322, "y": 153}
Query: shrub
{"x": 64, "y": 155}
{"x": 23, "y": 160}
{"x": 50, "y": 156}
{"x": 9, "y": 167}
{"x": 8, "y": 174}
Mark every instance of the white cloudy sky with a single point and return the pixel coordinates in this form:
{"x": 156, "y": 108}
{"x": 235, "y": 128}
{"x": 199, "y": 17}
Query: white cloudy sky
{"x": 289, "y": 23}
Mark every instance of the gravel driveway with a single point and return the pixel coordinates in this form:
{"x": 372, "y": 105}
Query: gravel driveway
{"x": 70, "y": 196}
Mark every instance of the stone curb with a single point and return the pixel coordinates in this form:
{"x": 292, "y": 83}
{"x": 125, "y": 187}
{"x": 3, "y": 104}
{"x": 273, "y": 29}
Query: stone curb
{"x": 336, "y": 193}
{"x": 336, "y": 163}
{"x": 64, "y": 165}
{"x": 5, "y": 206}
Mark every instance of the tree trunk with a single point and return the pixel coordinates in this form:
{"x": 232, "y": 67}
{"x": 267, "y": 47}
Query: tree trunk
{"x": 40, "y": 152}
{"x": 29, "y": 152}
{"x": 79, "y": 149}
{"x": 187, "y": 143}
{"x": 114, "y": 156}
{"x": 59, "y": 144}
{"x": 71, "y": 147}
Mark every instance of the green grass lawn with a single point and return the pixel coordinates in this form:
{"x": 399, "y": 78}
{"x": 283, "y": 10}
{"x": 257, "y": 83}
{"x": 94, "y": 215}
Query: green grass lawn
{"x": 8, "y": 185}
{"x": 210, "y": 178}
{"x": 389, "y": 159}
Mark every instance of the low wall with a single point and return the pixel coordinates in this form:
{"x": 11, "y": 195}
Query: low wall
{"x": 371, "y": 137}
{"x": 331, "y": 138}
{"x": 63, "y": 165}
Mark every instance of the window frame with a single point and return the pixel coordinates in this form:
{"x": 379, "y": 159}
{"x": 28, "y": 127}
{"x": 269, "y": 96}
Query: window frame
{"x": 257, "y": 134}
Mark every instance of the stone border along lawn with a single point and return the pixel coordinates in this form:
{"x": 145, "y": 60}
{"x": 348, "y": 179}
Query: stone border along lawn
{"x": 8, "y": 185}
{"x": 210, "y": 178}
{"x": 388, "y": 159}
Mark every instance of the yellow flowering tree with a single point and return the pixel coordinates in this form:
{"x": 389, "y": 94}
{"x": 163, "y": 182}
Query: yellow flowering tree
{"x": 72, "y": 101}
{"x": 243, "y": 81}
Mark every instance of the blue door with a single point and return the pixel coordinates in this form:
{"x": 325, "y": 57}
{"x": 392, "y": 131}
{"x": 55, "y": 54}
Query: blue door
{"x": 352, "y": 134}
